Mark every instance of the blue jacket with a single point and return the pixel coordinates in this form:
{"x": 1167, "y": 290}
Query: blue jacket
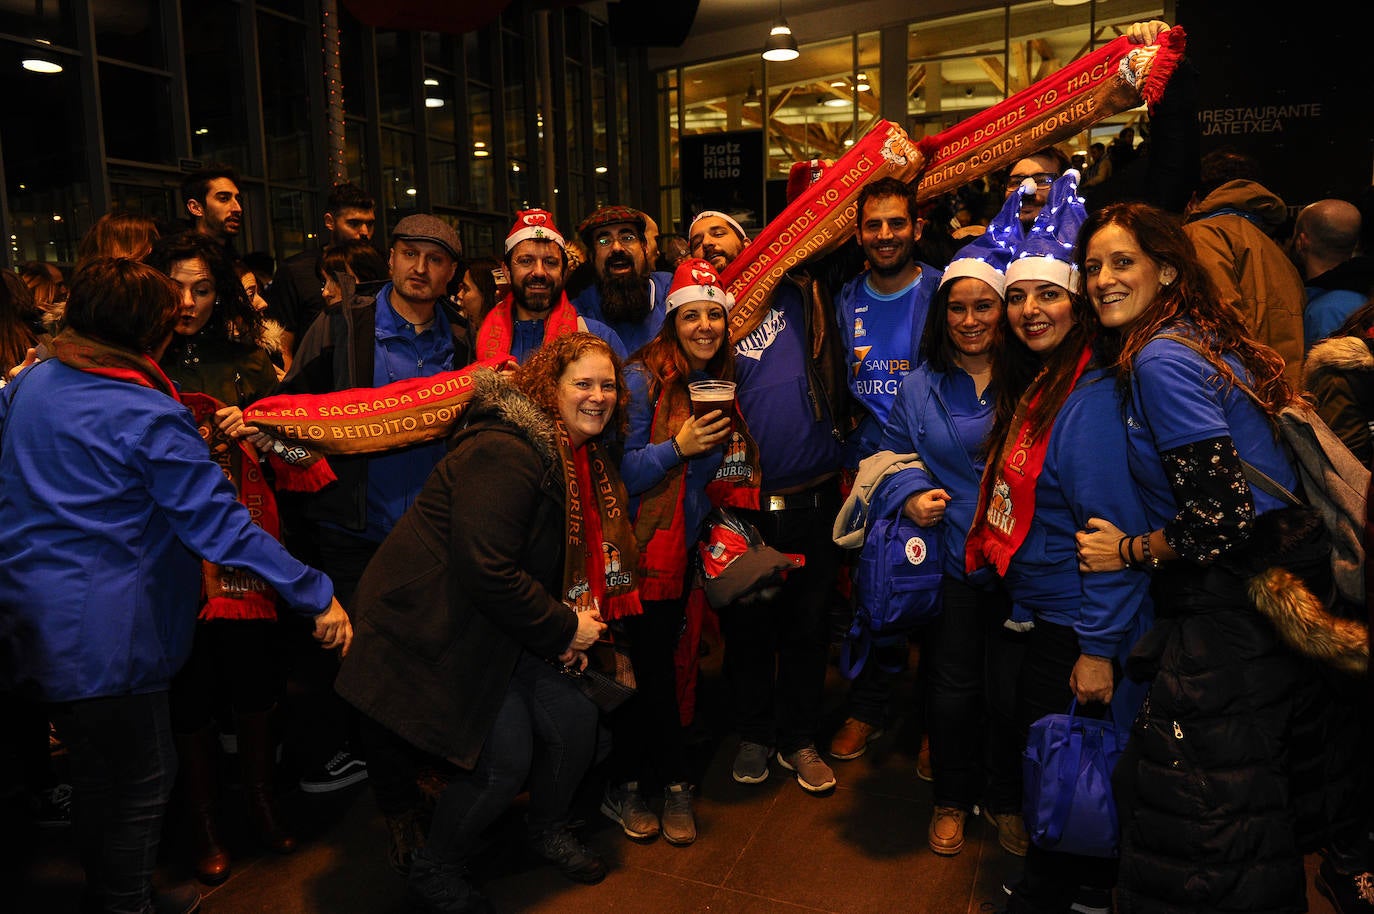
{"x": 529, "y": 336}
{"x": 1326, "y": 310}
{"x": 644, "y": 465}
{"x": 633, "y": 334}
{"x": 1085, "y": 475}
{"x": 922, "y": 422}
{"x": 108, "y": 507}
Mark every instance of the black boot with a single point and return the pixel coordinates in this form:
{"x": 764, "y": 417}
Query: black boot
{"x": 196, "y": 756}
{"x": 257, "y": 761}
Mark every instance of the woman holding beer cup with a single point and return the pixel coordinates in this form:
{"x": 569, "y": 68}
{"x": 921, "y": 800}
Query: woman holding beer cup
{"x": 674, "y": 449}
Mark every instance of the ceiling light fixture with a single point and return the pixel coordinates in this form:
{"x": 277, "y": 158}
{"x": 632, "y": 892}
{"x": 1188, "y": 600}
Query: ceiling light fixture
{"x": 751, "y": 98}
{"x": 37, "y": 61}
{"x": 780, "y": 46}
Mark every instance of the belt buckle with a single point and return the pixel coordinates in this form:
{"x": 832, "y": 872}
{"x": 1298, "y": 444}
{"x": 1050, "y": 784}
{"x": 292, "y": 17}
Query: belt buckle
{"x": 777, "y": 502}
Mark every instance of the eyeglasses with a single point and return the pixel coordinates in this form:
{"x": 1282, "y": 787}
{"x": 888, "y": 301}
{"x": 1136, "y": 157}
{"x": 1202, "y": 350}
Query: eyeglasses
{"x": 1041, "y": 178}
{"x": 627, "y": 239}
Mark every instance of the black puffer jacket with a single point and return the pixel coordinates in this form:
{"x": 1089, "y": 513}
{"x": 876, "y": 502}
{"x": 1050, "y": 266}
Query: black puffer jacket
{"x": 1243, "y": 756}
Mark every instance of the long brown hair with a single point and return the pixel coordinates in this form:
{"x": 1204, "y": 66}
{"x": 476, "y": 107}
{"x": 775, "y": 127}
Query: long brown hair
{"x": 1190, "y": 301}
{"x": 666, "y": 362}
{"x": 1017, "y": 371}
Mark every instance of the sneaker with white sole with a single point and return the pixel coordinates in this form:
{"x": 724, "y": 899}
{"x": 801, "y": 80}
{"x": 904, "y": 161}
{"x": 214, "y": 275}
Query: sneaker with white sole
{"x": 679, "y": 823}
{"x": 813, "y": 774}
{"x": 751, "y": 762}
{"x": 343, "y": 770}
{"x": 625, "y": 806}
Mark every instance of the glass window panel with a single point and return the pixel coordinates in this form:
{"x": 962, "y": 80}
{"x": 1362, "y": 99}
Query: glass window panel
{"x": 355, "y": 150}
{"x": 285, "y": 98}
{"x": 129, "y": 31}
{"x": 53, "y": 21}
{"x": 395, "y": 87}
{"x": 443, "y": 174}
{"x": 667, "y": 116}
{"x": 399, "y": 191}
{"x": 573, "y": 111}
{"x": 480, "y": 164}
{"x": 138, "y": 132}
{"x": 289, "y": 219}
{"x": 45, "y": 170}
{"x": 572, "y": 34}
{"x": 439, "y": 108}
{"x": 289, "y": 7}
{"x": 214, "y": 82}
{"x": 600, "y": 108}
{"x": 477, "y": 48}
{"x": 351, "y": 38}
{"x": 513, "y": 58}
{"x": 518, "y": 184}
{"x": 813, "y": 103}
{"x": 622, "y": 70}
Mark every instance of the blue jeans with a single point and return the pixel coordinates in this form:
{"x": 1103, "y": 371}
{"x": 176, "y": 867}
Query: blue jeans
{"x": 123, "y": 765}
{"x": 546, "y": 732}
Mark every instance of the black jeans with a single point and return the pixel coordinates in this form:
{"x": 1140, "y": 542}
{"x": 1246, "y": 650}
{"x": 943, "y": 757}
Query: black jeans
{"x": 234, "y": 659}
{"x": 646, "y": 732}
{"x": 1050, "y": 881}
{"x": 123, "y": 765}
{"x": 776, "y": 650}
{"x": 974, "y": 661}
{"x": 546, "y": 732}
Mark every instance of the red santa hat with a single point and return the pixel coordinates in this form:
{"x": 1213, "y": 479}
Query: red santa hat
{"x": 536, "y": 224}
{"x": 696, "y": 280}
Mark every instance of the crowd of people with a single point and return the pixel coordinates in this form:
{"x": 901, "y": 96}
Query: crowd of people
{"x": 1082, "y": 394}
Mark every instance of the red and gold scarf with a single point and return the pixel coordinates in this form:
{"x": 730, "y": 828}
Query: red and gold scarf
{"x": 601, "y": 558}
{"x": 1006, "y": 496}
{"x": 498, "y": 327}
{"x": 97, "y": 357}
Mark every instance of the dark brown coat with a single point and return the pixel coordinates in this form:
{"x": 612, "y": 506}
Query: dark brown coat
{"x": 466, "y": 581}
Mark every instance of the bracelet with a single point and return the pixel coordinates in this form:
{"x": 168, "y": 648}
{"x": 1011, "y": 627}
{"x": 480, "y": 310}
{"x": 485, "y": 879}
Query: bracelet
{"x": 1148, "y": 560}
{"x": 677, "y": 449}
{"x": 1121, "y": 552}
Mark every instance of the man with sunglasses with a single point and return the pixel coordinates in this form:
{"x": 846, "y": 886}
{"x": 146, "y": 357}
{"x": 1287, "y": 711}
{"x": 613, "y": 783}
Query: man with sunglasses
{"x": 627, "y": 295}
{"x": 1043, "y": 166}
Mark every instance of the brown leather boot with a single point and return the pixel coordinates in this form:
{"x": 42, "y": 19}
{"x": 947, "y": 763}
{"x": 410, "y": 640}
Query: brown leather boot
{"x": 196, "y": 758}
{"x": 258, "y": 761}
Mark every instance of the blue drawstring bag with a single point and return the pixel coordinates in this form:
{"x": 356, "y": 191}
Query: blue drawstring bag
{"x": 1067, "y": 782}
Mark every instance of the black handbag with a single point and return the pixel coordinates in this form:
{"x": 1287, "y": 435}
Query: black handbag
{"x": 602, "y": 690}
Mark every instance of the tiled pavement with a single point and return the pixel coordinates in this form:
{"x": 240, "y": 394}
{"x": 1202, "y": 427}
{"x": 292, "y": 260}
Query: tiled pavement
{"x": 762, "y": 848}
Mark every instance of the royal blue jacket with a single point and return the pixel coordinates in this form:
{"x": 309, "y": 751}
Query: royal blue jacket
{"x": 644, "y": 465}
{"x": 109, "y": 500}
{"x": 1085, "y": 475}
{"x": 634, "y": 334}
{"x": 940, "y": 417}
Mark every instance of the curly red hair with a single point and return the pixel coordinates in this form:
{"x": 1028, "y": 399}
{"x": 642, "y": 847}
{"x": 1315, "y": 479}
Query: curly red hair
{"x": 538, "y": 378}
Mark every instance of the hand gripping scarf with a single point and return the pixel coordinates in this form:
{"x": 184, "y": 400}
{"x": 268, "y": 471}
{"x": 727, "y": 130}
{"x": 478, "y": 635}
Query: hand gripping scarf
{"x": 234, "y": 593}
{"x": 660, "y": 526}
{"x": 601, "y": 558}
{"x": 498, "y": 327}
{"x": 1116, "y": 77}
{"x": 1006, "y": 495}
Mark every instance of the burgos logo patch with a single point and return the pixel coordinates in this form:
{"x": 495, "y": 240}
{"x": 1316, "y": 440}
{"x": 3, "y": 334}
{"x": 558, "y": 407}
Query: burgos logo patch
{"x": 916, "y": 550}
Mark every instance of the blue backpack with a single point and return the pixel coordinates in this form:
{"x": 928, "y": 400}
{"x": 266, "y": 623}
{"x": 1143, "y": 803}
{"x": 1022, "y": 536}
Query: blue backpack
{"x": 897, "y": 587}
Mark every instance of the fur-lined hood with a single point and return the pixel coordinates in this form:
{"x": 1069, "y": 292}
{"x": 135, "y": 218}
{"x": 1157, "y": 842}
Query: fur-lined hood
{"x": 496, "y": 399}
{"x": 1337, "y": 353}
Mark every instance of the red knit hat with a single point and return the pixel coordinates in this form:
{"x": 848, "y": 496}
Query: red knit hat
{"x": 536, "y": 224}
{"x": 696, "y": 280}
{"x": 803, "y": 174}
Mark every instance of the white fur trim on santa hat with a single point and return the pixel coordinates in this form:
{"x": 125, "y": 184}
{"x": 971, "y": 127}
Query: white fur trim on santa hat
{"x": 973, "y": 268}
{"x": 536, "y": 224}
{"x": 687, "y": 294}
{"x": 1043, "y": 269}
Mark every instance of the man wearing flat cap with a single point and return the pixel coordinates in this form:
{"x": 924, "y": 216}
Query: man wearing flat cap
{"x": 627, "y": 296}
{"x": 407, "y": 330}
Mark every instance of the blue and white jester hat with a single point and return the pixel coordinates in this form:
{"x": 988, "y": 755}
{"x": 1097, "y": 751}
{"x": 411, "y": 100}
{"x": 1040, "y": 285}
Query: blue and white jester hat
{"x": 986, "y": 256}
{"x": 1046, "y": 254}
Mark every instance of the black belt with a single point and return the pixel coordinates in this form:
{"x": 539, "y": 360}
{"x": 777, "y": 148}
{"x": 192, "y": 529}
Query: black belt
{"x": 812, "y": 499}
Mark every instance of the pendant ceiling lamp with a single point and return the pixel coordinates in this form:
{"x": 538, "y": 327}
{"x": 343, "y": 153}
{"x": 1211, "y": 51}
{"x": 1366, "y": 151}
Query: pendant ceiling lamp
{"x": 780, "y": 46}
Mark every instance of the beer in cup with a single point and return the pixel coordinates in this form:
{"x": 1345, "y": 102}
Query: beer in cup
{"x": 712, "y": 395}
